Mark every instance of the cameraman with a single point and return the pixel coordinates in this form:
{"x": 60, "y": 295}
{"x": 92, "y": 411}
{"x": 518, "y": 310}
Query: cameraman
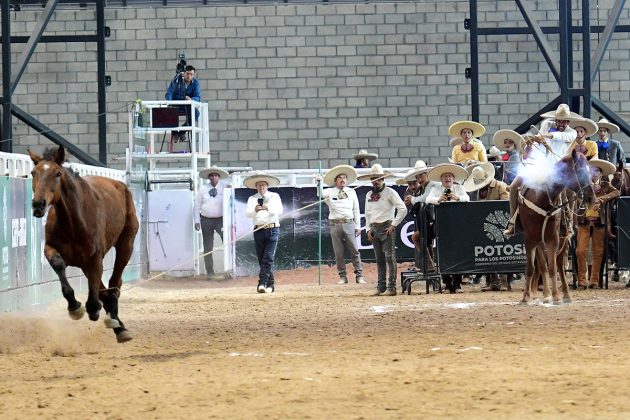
{"x": 184, "y": 86}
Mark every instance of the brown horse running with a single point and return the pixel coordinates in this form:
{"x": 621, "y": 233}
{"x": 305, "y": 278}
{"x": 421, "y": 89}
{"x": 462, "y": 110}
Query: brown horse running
{"x": 539, "y": 211}
{"x": 86, "y": 218}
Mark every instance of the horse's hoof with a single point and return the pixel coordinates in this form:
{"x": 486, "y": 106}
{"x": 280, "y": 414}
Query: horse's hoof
{"x": 524, "y": 302}
{"x": 557, "y": 302}
{"x": 110, "y": 322}
{"x": 567, "y": 300}
{"x": 616, "y": 277}
{"x": 123, "y": 336}
{"x": 93, "y": 316}
{"x": 546, "y": 300}
{"x": 77, "y": 313}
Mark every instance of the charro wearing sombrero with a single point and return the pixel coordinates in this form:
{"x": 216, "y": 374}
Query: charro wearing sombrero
{"x": 384, "y": 211}
{"x": 591, "y": 225}
{"x": 468, "y": 149}
{"x": 584, "y": 128}
{"x": 608, "y": 148}
{"x": 344, "y": 219}
{"x": 509, "y": 141}
{"x": 265, "y": 209}
{"x": 449, "y": 176}
{"x": 363, "y": 159}
{"x": 208, "y": 213}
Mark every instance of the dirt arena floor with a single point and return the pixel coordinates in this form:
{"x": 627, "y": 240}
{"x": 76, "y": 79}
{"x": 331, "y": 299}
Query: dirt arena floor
{"x": 220, "y": 350}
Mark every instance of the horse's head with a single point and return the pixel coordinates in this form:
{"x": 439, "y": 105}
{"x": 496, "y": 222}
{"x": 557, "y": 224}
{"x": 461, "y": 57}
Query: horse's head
{"x": 48, "y": 176}
{"x": 579, "y": 180}
{"x": 617, "y": 179}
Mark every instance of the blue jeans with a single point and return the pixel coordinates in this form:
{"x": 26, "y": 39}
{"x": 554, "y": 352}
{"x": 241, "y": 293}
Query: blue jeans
{"x": 266, "y": 241}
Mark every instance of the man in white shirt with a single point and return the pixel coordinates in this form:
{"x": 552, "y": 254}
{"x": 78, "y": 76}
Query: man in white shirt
{"x": 265, "y": 209}
{"x": 208, "y": 213}
{"x": 384, "y": 211}
{"x": 344, "y": 219}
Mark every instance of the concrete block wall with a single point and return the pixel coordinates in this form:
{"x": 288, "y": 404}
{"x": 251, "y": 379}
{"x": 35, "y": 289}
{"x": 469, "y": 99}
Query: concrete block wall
{"x": 288, "y": 85}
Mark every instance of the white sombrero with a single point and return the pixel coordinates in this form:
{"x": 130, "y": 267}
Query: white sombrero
{"x": 376, "y": 171}
{"x": 589, "y": 125}
{"x": 420, "y": 167}
{"x": 494, "y": 151}
{"x": 402, "y": 181}
{"x": 205, "y": 173}
{"x": 455, "y": 130}
{"x": 250, "y": 181}
{"x": 363, "y": 154}
{"x": 606, "y": 167}
{"x": 458, "y": 172}
{"x": 501, "y": 135}
{"x": 347, "y": 170}
{"x": 604, "y": 123}
{"x": 562, "y": 113}
{"x": 480, "y": 176}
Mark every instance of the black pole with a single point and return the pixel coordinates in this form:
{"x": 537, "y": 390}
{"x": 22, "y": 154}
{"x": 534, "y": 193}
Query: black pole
{"x": 474, "y": 61}
{"x": 100, "y": 59}
{"x": 564, "y": 50}
{"x": 6, "y": 137}
{"x": 586, "y": 58}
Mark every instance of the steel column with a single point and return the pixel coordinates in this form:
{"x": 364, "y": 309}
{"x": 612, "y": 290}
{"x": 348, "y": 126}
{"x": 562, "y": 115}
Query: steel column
{"x": 474, "y": 62}
{"x": 565, "y": 67}
{"x": 586, "y": 58}
{"x": 100, "y": 74}
{"x": 7, "y": 130}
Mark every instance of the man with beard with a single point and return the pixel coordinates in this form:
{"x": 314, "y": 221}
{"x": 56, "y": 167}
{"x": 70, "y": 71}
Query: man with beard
{"x": 384, "y": 211}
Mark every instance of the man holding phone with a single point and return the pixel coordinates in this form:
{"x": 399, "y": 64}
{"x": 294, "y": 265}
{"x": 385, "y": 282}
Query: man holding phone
{"x": 265, "y": 209}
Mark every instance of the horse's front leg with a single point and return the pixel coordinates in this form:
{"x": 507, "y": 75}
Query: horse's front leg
{"x": 56, "y": 261}
{"x": 530, "y": 252}
{"x": 94, "y": 271}
{"x": 561, "y": 262}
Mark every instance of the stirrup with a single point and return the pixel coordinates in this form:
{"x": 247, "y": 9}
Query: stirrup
{"x": 509, "y": 231}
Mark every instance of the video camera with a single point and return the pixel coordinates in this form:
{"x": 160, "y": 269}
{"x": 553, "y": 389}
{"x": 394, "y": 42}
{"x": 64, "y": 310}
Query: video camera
{"x": 447, "y": 191}
{"x": 181, "y": 63}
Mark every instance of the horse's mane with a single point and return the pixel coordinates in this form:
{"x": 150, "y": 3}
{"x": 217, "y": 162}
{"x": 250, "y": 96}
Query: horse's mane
{"x": 50, "y": 154}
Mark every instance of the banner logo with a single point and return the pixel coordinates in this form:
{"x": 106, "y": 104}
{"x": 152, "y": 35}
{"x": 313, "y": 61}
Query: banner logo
{"x": 494, "y": 225}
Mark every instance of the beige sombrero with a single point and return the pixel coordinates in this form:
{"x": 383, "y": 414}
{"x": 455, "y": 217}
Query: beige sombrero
{"x": 375, "y": 171}
{"x": 606, "y": 167}
{"x": 501, "y": 135}
{"x": 562, "y": 113}
{"x": 347, "y": 170}
{"x": 455, "y": 130}
{"x": 402, "y": 181}
{"x": 589, "y": 125}
{"x": 494, "y": 151}
{"x": 420, "y": 167}
{"x": 480, "y": 176}
{"x": 363, "y": 154}
{"x": 458, "y": 172}
{"x": 205, "y": 173}
{"x": 455, "y": 141}
{"x": 250, "y": 181}
{"x": 604, "y": 123}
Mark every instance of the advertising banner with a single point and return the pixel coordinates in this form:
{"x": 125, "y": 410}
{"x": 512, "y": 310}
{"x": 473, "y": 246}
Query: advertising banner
{"x": 470, "y": 239}
{"x": 298, "y": 243}
{"x": 623, "y": 232}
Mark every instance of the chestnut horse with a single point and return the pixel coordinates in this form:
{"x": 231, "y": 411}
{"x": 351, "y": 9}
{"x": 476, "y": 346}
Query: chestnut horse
{"x": 540, "y": 210}
{"x": 86, "y": 218}
{"x": 621, "y": 180}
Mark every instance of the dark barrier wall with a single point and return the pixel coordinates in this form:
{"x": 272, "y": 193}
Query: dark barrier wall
{"x": 623, "y": 233}
{"x": 470, "y": 239}
{"x": 298, "y": 245}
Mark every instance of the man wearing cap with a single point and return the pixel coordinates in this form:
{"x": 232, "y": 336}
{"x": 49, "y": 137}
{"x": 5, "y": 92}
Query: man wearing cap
{"x": 584, "y": 129}
{"x": 481, "y": 180}
{"x": 363, "y": 159}
{"x": 265, "y": 209}
{"x": 609, "y": 149}
{"x": 344, "y": 219}
{"x": 447, "y": 189}
{"x": 591, "y": 225}
{"x": 208, "y": 213}
{"x": 384, "y": 211}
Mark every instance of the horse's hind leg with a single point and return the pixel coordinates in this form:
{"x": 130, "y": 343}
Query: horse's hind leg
{"x": 75, "y": 310}
{"x": 561, "y": 262}
{"x": 529, "y": 273}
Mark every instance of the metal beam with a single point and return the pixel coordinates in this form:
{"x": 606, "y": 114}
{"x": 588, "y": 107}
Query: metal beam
{"x": 6, "y": 133}
{"x": 586, "y": 58}
{"x": 554, "y": 30}
{"x": 613, "y": 19}
{"x": 610, "y": 115}
{"x": 542, "y": 42}
{"x": 536, "y": 118}
{"x": 566, "y": 67}
{"x": 29, "y": 49}
{"x": 54, "y": 38}
{"x": 474, "y": 62}
{"x": 100, "y": 74}
{"x": 54, "y": 137}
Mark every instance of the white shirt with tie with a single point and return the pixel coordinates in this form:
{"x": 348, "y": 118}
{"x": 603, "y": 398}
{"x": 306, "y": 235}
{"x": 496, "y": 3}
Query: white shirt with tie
{"x": 343, "y": 207}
